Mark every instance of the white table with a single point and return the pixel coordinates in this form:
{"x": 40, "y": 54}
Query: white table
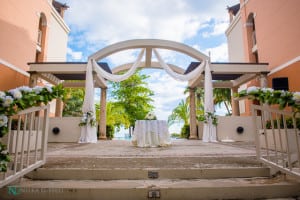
{"x": 151, "y": 133}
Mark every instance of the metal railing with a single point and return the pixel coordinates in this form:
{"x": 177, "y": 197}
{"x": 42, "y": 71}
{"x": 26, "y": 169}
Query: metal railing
{"x": 277, "y": 139}
{"x": 26, "y": 143}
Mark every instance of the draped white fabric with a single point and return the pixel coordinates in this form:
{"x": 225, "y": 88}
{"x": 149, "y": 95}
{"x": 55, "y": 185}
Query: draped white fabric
{"x": 88, "y": 132}
{"x": 118, "y": 78}
{"x": 181, "y": 77}
{"x": 209, "y": 129}
{"x": 151, "y": 133}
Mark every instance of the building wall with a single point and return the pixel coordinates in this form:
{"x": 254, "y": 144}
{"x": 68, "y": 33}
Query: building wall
{"x": 19, "y": 25}
{"x": 277, "y": 35}
{"x": 10, "y": 78}
{"x": 58, "y": 39}
{"x": 235, "y": 41}
{"x": 19, "y": 22}
{"x": 277, "y": 31}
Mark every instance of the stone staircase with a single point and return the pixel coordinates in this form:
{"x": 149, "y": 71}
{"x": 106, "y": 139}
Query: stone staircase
{"x": 206, "y": 177}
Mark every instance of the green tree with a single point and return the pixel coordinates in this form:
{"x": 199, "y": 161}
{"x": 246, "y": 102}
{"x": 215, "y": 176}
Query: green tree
{"x": 180, "y": 114}
{"x": 199, "y": 93}
{"x": 115, "y": 115}
{"x": 223, "y": 95}
{"x": 134, "y": 96}
{"x": 73, "y": 101}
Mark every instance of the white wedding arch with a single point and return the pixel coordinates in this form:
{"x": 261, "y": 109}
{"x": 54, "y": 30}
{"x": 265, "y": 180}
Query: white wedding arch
{"x": 232, "y": 75}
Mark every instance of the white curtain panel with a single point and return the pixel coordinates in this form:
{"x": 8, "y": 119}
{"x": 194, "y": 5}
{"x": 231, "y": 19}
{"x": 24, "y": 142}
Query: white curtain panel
{"x": 118, "y": 78}
{"x": 88, "y": 132}
{"x": 180, "y": 77}
{"x": 209, "y": 129}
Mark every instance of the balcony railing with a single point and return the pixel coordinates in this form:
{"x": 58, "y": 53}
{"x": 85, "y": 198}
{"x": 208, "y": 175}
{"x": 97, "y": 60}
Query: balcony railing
{"x": 26, "y": 142}
{"x": 277, "y": 139}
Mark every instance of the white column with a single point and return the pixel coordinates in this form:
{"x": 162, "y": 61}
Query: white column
{"x": 263, "y": 80}
{"x": 193, "y": 124}
{"x": 59, "y": 108}
{"x": 102, "y": 128}
{"x": 235, "y": 103}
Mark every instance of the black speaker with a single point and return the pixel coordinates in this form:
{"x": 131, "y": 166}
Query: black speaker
{"x": 281, "y": 83}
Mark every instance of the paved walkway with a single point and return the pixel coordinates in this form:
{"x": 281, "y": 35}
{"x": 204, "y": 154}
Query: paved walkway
{"x": 121, "y": 148}
{"x": 122, "y": 154}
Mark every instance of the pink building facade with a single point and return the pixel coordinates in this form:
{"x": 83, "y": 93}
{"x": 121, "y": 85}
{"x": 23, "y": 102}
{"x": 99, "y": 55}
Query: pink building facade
{"x": 24, "y": 37}
{"x": 267, "y": 32}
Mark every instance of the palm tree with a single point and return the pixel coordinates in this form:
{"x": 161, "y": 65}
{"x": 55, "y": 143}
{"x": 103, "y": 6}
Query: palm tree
{"x": 199, "y": 92}
{"x": 115, "y": 115}
{"x": 223, "y": 95}
{"x": 180, "y": 113}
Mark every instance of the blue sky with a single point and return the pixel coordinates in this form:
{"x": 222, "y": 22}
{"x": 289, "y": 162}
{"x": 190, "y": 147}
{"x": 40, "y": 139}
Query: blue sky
{"x": 201, "y": 24}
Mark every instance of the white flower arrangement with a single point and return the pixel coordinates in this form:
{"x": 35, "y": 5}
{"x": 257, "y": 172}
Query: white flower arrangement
{"x": 7, "y": 101}
{"x": 150, "y": 116}
{"x": 88, "y": 118}
{"x": 16, "y": 93}
{"x": 3, "y": 120}
{"x": 296, "y": 97}
{"x": 15, "y": 100}
{"x": 271, "y": 97}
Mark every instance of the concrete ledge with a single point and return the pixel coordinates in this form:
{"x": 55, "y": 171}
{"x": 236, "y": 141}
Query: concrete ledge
{"x": 167, "y": 189}
{"x": 69, "y": 131}
{"x": 137, "y": 174}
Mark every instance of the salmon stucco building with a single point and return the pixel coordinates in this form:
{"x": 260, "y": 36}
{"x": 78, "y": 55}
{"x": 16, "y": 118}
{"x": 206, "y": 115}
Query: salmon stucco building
{"x": 31, "y": 31}
{"x": 266, "y": 32}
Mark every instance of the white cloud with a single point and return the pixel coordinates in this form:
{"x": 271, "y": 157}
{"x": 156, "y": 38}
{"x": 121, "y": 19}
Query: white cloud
{"x": 75, "y": 55}
{"x": 97, "y": 23}
{"x": 218, "y": 53}
{"x": 218, "y": 28}
{"x": 122, "y": 57}
{"x": 168, "y": 93}
{"x": 106, "y": 22}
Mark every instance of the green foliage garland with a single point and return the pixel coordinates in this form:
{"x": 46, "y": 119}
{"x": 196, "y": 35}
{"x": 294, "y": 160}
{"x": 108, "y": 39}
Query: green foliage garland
{"x": 15, "y": 100}
{"x": 272, "y": 97}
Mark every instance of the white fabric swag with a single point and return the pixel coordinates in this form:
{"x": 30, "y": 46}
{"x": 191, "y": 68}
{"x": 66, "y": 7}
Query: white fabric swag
{"x": 88, "y": 132}
{"x": 182, "y": 77}
{"x": 209, "y": 129}
{"x": 118, "y": 78}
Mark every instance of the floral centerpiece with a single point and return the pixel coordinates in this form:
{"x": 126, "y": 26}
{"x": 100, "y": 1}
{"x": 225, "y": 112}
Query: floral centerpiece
{"x": 209, "y": 116}
{"x": 88, "y": 118}
{"x": 150, "y": 116}
{"x": 15, "y": 100}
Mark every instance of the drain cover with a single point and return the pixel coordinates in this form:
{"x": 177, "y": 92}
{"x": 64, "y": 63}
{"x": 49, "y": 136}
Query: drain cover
{"x": 152, "y": 174}
{"x": 153, "y": 194}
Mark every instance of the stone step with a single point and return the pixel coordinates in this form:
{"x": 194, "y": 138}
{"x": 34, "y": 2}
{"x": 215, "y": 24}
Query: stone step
{"x": 146, "y": 173}
{"x": 152, "y": 162}
{"x": 164, "y": 189}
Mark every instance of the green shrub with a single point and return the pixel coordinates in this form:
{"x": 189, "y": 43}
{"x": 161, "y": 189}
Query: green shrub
{"x": 110, "y": 129}
{"x": 289, "y": 123}
{"x": 175, "y": 135}
{"x": 185, "y": 131}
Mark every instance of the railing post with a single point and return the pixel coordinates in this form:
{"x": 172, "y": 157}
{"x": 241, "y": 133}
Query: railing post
{"x": 45, "y": 134}
{"x": 17, "y": 140}
{"x": 256, "y": 131}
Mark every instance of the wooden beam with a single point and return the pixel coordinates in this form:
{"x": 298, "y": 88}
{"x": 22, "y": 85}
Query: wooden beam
{"x": 148, "y": 57}
{"x": 219, "y": 84}
{"x": 49, "y": 78}
{"x": 72, "y": 84}
{"x": 57, "y": 68}
{"x": 154, "y": 65}
{"x": 238, "y": 68}
{"x": 243, "y": 79}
